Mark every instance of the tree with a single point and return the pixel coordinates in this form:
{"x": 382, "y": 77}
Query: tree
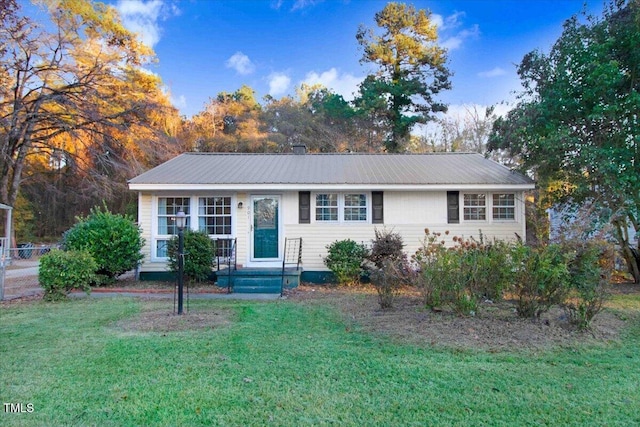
{"x": 412, "y": 70}
{"x": 576, "y": 126}
{"x": 66, "y": 93}
{"x": 317, "y": 118}
{"x": 229, "y": 123}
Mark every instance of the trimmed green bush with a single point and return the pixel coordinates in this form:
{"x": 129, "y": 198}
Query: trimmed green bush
{"x": 199, "y": 252}
{"x": 62, "y": 271}
{"x": 444, "y": 274}
{"x": 114, "y": 241}
{"x": 345, "y": 259}
{"x": 590, "y": 268}
{"x": 540, "y": 278}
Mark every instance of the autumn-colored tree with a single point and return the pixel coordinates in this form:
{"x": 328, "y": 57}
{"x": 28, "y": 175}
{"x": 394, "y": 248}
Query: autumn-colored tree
{"x": 63, "y": 91}
{"x": 228, "y": 123}
{"x": 411, "y": 71}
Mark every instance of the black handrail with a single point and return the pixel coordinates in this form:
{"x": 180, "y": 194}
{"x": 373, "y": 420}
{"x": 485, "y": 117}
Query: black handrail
{"x": 292, "y": 255}
{"x": 226, "y": 254}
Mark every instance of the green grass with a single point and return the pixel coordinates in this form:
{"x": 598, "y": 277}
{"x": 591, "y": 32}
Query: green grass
{"x": 279, "y": 363}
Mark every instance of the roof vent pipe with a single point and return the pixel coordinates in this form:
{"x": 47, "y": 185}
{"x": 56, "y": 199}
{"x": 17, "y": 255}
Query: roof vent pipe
{"x": 299, "y": 149}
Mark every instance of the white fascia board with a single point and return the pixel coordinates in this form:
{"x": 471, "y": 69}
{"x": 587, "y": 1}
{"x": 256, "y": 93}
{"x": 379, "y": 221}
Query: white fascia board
{"x": 329, "y": 187}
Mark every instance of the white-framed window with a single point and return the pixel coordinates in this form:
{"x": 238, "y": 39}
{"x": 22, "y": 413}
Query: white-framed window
{"x": 327, "y": 207}
{"x": 475, "y": 207}
{"x": 355, "y": 207}
{"x": 504, "y": 206}
{"x": 341, "y": 207}
{"x": 214, "y": 215}
{"x": 167, "y": 209}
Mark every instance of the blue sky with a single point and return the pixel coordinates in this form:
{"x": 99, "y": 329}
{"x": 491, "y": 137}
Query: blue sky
{"x": 209, "y": 46}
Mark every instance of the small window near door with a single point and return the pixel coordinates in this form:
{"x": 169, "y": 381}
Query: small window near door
{"x": 214, "y": 215}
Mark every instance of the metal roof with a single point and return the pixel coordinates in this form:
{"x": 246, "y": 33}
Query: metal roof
{"x": 227, "y": 169}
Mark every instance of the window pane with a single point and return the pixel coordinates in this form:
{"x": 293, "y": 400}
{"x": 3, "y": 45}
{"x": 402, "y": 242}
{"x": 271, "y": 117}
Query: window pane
{"x": 161, "y": 248}
{"x": 214, "y": 215}
{"x": 326, "y": 207}
{"x": 355, "y": 207}
{"x": 474, "y": 207}
{"x": 168, "y": 207}
{"x": 504, "y": 206}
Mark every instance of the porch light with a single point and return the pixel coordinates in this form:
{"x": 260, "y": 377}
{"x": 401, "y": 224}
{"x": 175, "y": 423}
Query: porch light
{"x": 240, "y": 205}
{"x": 181, "y": 220}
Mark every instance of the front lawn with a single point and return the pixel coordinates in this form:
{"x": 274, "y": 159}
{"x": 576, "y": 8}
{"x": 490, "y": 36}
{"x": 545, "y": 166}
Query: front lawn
{"x": 121, "y": 361}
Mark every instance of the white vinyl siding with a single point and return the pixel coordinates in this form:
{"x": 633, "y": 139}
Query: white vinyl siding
{"x": 405, "y": 212}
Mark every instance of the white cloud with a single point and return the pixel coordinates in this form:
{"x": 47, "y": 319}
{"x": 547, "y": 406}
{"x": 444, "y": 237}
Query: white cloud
{"x": 297, "y": 4}
{"x": 451, "y": 21}
{"x": 495, "y": 72}
{"x": 452, "y": 39}
{"x": 241, "y": 63}
{"x": 302, "y": 4}
{"x": 342, "y": 84}
{"x": 179, "y": 102}
{"x": 278, "y": 83}
{"x": 142, "y": 17}
{"x": 455, "y": 41}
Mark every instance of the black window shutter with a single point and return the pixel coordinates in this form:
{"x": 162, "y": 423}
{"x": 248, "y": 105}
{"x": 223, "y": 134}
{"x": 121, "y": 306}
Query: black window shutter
{"x": 377, "y": 211}
{"x": 304, "y": 207}
{"x": 453, "y": 207}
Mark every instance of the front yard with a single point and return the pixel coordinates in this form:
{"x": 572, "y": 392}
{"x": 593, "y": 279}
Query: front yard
{"x": 320, "y": 357}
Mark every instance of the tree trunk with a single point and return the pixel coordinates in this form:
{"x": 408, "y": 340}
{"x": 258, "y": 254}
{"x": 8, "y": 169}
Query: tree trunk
{"x": 630, "y": 254}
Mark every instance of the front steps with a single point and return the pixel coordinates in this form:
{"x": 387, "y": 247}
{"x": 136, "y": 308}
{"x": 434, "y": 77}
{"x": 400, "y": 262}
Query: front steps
{"x": 258, "y": 280}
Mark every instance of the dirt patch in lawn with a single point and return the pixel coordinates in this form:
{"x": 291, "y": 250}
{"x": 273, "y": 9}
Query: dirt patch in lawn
{"x": 154, "y": 317}
{"x": 495, "y": 327}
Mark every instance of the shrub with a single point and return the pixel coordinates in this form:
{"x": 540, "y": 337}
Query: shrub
{"x": 387, "y": 245}
{"x": 590, "y": 268}
{"x": 447, "y": 275}
{"x": 387, "y": 267}
{"x": 345, "y": 259}
{"x": 114, "y": 241}
{"x": 540, "y": 278}
{"x": 432, "y": 264}
{"x": 484, "y": 267}
{"x": 387, "y": 280}
{"x": 199, "y": 252}
{"x": 61, "y": 271}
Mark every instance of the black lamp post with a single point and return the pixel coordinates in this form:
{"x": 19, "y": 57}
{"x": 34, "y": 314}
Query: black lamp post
{"x": 181, "y": 222}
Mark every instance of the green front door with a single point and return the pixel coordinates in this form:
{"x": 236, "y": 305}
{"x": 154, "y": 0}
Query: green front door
{"x": 265, "y": 227}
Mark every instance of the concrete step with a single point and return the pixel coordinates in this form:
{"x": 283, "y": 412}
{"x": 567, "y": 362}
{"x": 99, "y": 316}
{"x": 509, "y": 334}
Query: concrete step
{"x": 255, "y": 280}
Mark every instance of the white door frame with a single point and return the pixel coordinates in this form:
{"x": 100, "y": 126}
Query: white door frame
{"x": 265, "y": 262}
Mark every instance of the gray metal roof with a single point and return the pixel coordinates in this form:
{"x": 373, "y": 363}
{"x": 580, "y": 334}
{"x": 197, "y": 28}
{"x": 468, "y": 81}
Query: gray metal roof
{"x": 327, "y": 169}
